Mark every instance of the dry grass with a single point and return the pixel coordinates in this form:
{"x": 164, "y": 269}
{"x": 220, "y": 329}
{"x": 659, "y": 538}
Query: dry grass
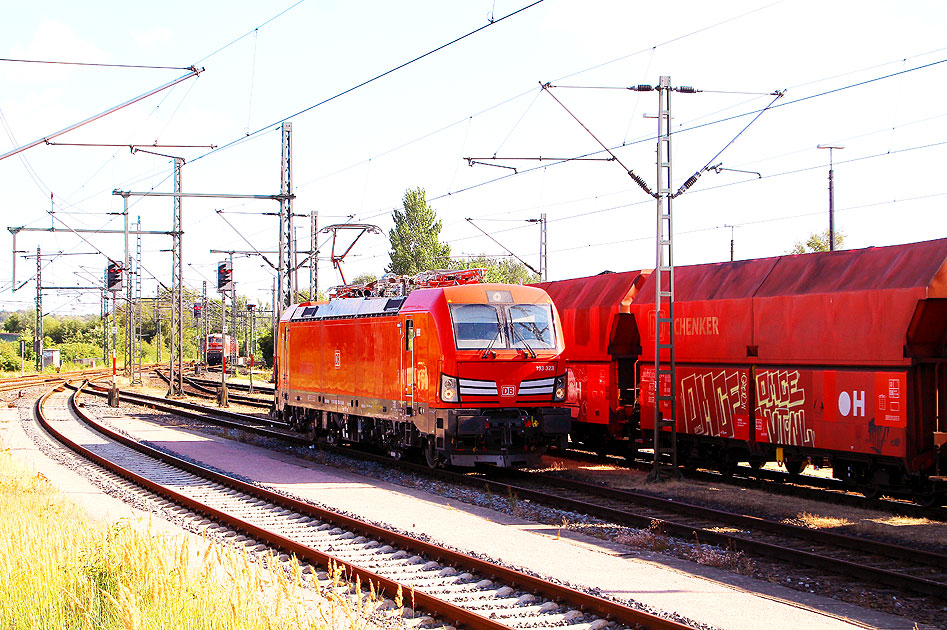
{"x": 58, "y": 571}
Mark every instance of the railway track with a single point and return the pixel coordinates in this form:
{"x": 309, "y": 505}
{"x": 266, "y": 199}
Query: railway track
{"x": 459, "y": 588}
{"x": 263, "y": 388}
{"x": 808, "y": 487}
{"x": 203, "y": 391}
{"x": 905, "y": 569}
{"x": 34, "y": 380}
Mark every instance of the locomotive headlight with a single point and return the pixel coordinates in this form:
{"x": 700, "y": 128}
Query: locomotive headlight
{"x": 559, "y": 394}
{"x": 449, "y": 392}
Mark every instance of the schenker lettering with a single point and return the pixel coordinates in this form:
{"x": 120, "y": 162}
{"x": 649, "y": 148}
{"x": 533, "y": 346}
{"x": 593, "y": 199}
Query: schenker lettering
{"x": 696, "y": 326}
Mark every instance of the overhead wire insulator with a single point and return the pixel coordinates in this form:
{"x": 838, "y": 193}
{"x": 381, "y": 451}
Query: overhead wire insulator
{"x": 690, "y": 182}
{"x": 635, "y": 177}
{"x": 641, "y": 88}
{"x": 686, "y": 89}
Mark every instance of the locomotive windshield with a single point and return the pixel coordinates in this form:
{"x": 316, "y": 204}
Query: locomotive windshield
{"x": 476, "y": 326}
{"x": 531, "y": 325}
{"x": 520, "y": 326}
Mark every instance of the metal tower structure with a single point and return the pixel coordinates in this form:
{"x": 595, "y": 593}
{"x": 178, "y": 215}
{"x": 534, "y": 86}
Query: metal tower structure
{"x": 665, "y": 385}
{"x": 38, "y": 339}
{"x": 313, "y": 256}
{"x": 176, "y": 381}
{"x": 543, "y": 261}
{"x": 287, "y": 257}
{"x": 129, "y": 285}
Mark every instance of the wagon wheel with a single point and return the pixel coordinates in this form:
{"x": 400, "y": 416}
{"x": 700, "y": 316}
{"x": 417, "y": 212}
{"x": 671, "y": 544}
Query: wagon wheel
{"x": 794, "y": 467}
{"x": 727, "y": 468}
{"x": 928, "y": 499}
{"x": 430, "y": 454}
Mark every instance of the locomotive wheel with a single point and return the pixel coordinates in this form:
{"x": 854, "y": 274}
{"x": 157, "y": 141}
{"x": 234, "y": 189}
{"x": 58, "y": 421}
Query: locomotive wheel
{"x": 869, "y": 492}
{"x": 430, "y": 454}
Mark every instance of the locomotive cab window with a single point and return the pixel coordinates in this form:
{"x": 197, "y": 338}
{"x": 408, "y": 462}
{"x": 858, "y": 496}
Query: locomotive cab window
{"x": 476, "y": 326}
{"x": 531, "y": 325}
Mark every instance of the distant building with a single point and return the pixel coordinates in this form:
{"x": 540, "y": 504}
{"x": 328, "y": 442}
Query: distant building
{"x": 51, "y": 358}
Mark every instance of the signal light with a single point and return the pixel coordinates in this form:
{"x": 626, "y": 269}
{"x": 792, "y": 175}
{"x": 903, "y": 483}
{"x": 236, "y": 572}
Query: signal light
{"x": 113, "y": 276}
{"x": 224, "y": 276}
{"x": 198, "y": 308}
{"x": 559, "y": 395}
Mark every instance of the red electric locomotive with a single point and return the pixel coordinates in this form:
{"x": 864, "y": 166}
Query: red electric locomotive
{"x": 839, "y": 357}
{"x": 214, "y": 345}
{"x": 468, "y": 374}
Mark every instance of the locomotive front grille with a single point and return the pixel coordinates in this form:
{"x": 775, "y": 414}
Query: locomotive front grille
{"x": 471, "y": 387}
{"x": 538, "y": 387}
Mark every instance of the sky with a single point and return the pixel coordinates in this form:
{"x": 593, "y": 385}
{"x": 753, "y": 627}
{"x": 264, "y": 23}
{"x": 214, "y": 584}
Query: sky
{"x": 870, "y": 76}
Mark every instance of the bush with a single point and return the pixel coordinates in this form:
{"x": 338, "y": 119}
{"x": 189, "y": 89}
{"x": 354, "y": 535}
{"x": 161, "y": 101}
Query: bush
{"x": 9, "y": 356}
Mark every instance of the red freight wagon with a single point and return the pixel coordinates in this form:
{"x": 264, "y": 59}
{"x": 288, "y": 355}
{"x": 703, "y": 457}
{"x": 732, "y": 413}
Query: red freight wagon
{"x": 601, "y": 351}
{"x": 840, "y": 356}
{"x": 469, "y": 374}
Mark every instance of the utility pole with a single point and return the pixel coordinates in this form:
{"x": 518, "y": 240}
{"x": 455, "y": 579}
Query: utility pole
{"x": 158, "y": 323}
{"x": 104, "y": 313}
{"x": 233, "y": 320}
{"x": 205, "y": 324}
{"x": 251, "y": 344}
{"x": 313, "y": 253}
{"x": 543, "y": 260}
{"x": 176, "y": 383}
{"x": 136, "y": 346}
{"x": 831, "y": 147}
{"x": 287, "y": 255}
{"x": 127, "y": 273}
{"x": 38, "y": 330}
{"x": 665, "y": 441}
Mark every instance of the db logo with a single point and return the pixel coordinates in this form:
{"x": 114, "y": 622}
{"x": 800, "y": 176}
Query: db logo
{"x": 338, "y": 359}
{"x": 508, "y": 391}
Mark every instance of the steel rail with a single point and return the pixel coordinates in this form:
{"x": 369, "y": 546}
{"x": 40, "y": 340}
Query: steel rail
{"x": 206, "y": 392}
{"x": 704, "y": 535}
{"x": 35, "y": 380}
{"x": 193, "y": 411}
{"x": 597, "y": 605}
{"x": 681, "y": 530}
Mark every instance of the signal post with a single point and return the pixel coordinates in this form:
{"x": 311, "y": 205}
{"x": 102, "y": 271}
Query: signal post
{"x": 113, "y": 283}
{"x": 251, "y": 309}
{"x": 224, "y": 284}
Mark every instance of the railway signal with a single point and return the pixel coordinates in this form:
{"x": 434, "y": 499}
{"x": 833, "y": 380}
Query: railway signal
{"x": 224, "y": 276}
{"x": 113, "y": 277}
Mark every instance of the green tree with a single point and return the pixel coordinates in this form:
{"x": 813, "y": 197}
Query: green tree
{"x": 415, "y": 244}
{"x": 15, "y": 323}
{"x": 817, "y": 242}
{"x": 364, "y": 278}
{"x": 502, "y": 270}
{"x": 265, "y": 347}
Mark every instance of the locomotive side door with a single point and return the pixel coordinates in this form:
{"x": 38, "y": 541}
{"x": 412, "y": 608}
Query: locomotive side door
{"x": 284, "y": 363}
{"x": 408, "y": 376}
